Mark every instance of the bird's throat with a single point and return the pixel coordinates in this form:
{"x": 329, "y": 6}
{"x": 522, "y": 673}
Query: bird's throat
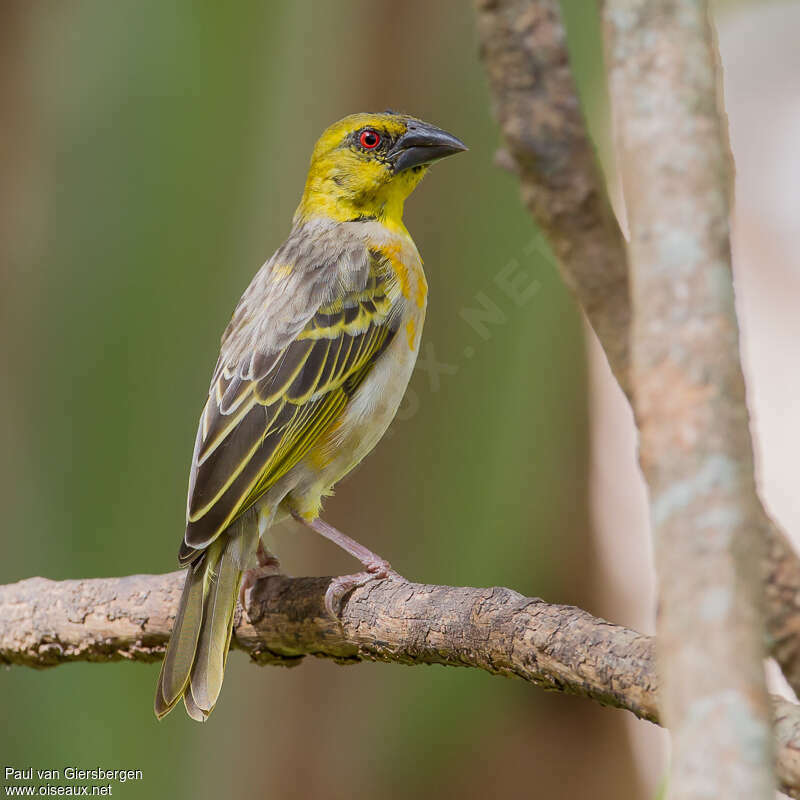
{"x": 336, "y": 198}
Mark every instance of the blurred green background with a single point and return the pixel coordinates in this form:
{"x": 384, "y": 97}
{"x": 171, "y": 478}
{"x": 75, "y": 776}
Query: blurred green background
{"x": 153, "y": 155}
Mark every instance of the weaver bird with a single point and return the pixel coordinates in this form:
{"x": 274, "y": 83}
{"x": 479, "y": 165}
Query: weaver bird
{"x": 312, "y": 368}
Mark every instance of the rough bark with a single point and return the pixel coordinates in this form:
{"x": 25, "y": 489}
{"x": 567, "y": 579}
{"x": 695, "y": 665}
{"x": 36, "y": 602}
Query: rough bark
{"x": 44, "y": 623}
{"x": 689, "y": 395}
{"x": 787, "y": 745}
{"x": 523, "y": 45}
{"x": 535, "y": 101}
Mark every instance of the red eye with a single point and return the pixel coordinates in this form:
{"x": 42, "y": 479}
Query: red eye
{"x": 369, "y": 139}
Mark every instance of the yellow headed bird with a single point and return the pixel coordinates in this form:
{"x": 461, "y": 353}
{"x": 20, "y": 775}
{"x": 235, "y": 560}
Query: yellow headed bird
{"x": 311, "y": 370}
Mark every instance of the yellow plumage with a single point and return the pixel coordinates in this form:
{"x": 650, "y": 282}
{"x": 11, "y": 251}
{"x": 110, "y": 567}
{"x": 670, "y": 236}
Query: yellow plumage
{"x": 312, "y": 368}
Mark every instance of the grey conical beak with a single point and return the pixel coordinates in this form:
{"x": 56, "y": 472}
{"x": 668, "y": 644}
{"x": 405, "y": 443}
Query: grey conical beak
{"x": 422, "y": 144}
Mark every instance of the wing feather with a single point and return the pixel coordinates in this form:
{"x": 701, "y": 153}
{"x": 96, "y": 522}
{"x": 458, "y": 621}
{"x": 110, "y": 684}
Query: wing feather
{"x": 276, "y": 390}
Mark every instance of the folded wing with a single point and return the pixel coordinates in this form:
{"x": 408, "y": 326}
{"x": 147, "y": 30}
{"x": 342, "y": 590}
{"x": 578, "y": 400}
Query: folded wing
{"x": 301, "y": 340}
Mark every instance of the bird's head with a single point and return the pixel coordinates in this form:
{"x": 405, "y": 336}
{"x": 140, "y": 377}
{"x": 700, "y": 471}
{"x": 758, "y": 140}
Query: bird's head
{"x": 365, "y": 165}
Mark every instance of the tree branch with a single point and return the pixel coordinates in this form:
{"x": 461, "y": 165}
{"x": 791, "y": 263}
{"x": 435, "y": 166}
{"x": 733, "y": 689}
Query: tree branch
{"x": 44, "y": 623}
{"x": 689, "y": 394}
{"x": 535, "y": 101}
{"x": 523, "y": 45}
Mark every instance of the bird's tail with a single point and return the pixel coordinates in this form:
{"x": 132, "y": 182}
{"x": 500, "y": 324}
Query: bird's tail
{"x": 194, "y": 664}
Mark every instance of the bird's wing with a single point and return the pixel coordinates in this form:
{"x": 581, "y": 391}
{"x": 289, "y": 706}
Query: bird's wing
{"x": 301, "y": 340}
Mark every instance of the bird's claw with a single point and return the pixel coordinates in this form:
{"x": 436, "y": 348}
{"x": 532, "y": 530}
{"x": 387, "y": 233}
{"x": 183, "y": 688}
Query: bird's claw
{"x": 267, "y": 565}
{"x": 340, "y": 587}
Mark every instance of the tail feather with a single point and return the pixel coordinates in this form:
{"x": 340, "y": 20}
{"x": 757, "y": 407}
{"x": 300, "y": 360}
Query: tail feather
{"x": 192, "y": 709}
{"x": 194, "y": 664}
{"x": 212, "y": 648}
{"x": 182, "y": 645}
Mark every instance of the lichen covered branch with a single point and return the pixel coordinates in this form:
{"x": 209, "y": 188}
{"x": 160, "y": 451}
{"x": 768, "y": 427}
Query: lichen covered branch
{"x": 689, "y": 393}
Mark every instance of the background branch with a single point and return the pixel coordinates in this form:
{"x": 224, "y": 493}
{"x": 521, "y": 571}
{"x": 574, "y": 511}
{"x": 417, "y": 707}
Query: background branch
{"x": 534, "y": 99}
{"x": 44, "y": 623}
{"x": 689, "y": 395}
{"x": 523, "y": 45}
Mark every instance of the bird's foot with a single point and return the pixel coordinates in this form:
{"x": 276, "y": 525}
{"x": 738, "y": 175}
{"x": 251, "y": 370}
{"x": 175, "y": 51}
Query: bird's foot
{"x": 268, "y": 565}
{"x": 340, "y": 587}
{"x": 376, "y": 568}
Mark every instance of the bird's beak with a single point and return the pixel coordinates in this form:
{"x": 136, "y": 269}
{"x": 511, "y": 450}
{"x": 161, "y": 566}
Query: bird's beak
{"x": 422, "y": 144}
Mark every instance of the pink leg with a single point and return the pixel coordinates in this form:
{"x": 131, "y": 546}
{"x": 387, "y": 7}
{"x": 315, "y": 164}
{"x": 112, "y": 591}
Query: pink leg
{"x": 268, "y": 564}
{"x": 377, "y": 568}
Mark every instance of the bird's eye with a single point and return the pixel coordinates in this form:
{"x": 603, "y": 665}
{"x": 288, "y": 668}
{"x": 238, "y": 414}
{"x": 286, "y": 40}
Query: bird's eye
{"x": 368, "y": 139}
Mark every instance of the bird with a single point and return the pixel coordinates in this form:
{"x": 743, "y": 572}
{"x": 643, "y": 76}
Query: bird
{"x": 312, "y": 369}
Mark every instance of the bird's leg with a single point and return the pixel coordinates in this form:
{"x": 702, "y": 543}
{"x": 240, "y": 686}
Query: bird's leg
{"x": 377, "y": 568}
{"x": 268, "y": 564}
